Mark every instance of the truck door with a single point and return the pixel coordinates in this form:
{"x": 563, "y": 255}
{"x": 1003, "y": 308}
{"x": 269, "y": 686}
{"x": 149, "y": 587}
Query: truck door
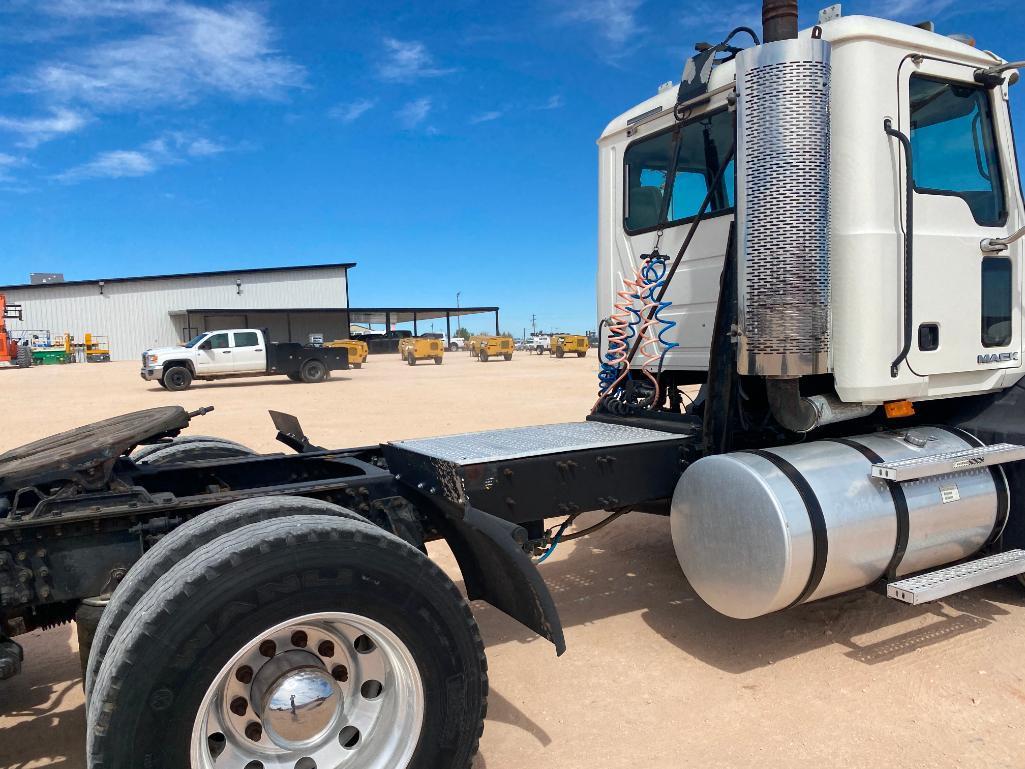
{"x": 214, "y": 355}
{"x": 966, "y": 305}
{"x": 248, "y": 352}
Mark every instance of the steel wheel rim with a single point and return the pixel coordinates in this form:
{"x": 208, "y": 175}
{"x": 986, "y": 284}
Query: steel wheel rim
{"x": 372, "y": 720}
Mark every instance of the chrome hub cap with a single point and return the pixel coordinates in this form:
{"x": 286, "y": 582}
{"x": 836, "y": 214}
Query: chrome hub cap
{"x": 322, "y": 691}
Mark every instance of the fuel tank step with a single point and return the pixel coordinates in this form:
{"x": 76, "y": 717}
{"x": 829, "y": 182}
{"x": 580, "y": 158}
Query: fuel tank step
{"x": 949, "y": 462}
{"x": 934, "y": 585}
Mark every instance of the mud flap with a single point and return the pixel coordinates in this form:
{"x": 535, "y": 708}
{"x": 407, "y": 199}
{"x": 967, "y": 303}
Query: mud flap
{"x": 497, "y": 570}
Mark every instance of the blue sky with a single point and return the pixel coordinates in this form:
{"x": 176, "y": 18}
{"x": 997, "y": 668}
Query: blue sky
{"x": 443, "y": 146}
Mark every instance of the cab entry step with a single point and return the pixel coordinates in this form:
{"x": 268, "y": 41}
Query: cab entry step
{"x": 949, "y": 462}
{"x": 525, "y": 474}
{"x": 934, "y": 585}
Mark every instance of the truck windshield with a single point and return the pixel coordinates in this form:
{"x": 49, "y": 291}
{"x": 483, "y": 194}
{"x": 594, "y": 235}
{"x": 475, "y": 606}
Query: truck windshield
{"x": 195, "y": 340}
{"x": 703, "y": 144}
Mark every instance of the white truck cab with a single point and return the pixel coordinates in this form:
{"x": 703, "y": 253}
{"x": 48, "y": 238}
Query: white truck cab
{"x": 881, "y": 280}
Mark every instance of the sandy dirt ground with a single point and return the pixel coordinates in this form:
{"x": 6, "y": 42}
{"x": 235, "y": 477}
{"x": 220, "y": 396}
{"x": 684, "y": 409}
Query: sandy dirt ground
{"x": 652, "y": 677}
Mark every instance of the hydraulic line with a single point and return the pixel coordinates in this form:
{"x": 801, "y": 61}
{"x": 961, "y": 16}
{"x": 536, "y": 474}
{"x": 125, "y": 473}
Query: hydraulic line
{"x": 653, "y": 273}
{"x": 562, "y": 536}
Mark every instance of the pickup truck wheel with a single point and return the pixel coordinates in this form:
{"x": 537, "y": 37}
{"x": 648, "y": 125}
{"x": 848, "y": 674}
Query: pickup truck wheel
{"x": 483, "y": 356}
{"x": 453, "y": 347}
{"x": 188, "y": 537}
{"x": 313, "y": 371}
{"x": 581, "y": 353}
{"x": 304, "y": 642}
{"x": 410, "y": 359}
{"x": 438, "y": 360}
{"x": 176, "y": 379}
{"x": 507, "y": 356}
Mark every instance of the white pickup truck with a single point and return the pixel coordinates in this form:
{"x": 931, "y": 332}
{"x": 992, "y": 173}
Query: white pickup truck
{"x": 239, "y": 352}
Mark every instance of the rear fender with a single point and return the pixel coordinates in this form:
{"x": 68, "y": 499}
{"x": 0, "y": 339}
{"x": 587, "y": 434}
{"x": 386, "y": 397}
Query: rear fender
{"x": 497, "y": 570}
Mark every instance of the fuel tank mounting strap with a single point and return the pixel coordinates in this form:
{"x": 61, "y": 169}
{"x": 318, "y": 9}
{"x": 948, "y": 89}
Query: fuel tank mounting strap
{"x": 900, "y": 505}
{"x": 819, "y": 532}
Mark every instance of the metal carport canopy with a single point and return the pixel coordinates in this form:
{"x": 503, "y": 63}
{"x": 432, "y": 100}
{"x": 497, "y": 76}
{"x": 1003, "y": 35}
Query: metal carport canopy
{"x": 388, "y": 316}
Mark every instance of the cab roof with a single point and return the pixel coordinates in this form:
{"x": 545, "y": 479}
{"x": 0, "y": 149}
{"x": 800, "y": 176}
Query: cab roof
{"x": 843, "y": 30}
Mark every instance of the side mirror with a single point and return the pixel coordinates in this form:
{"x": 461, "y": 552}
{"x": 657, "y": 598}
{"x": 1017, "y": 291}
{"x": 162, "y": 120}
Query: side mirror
{"x": 205, "y": 345}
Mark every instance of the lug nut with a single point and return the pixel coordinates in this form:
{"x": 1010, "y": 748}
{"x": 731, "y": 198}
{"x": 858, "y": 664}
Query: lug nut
{"x": 244, "y": 674}
{"x": 254, "y": 731}
{"x": 326, "y": 649}
{"x": 268, "y": 649}
{"x": 299, "y": 639}
{"x": 239, "y": 706}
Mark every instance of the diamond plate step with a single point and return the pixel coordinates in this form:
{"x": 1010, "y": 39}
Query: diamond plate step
{"x": 949, "y": 462}
{"x": 934, "y": 585}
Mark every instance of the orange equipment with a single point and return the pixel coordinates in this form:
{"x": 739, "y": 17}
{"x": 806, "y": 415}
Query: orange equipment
{"x": 8, "y": 347}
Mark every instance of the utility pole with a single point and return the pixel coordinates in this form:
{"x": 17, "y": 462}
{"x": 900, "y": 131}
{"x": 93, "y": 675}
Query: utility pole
{"x": 459, "y": 324}
{"x": 533, "y": 323}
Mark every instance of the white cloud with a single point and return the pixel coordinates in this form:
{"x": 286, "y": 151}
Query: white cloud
{"x": 111, "y": 165}
{"x": 486, "y": 117}
{"x": 414, "y": 113}
{"x": 201, "y": 148}
{"x": 408, "y": 60}
{"x": 36, "y": 130}
{"x": 614, "y": 19}
{"x": 911, "y": 10}
{"x": 352, "y": 111}
{"x": 7, "y": 162}
{"x": 183, "y": 52}
{"x": 168, "y": 149}
{"x": 554, "y": 102}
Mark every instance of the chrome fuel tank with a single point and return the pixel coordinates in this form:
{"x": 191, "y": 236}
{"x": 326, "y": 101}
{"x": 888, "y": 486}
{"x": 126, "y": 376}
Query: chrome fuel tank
{"x": 759, "y": 531}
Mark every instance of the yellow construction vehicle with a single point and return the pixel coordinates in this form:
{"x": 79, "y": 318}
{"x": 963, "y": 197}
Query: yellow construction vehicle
{"x": 493, "y": 346}
{"x": 97, "y": 349}
{"x": 563, "y": 344}
{"x": 358, "y": 350}
{"x": 416, "y": 348}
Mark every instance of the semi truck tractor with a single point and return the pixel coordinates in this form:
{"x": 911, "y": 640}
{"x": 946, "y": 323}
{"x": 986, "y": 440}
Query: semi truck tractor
{"x": 819, "y": 229}
{"x": 239, "y": 352}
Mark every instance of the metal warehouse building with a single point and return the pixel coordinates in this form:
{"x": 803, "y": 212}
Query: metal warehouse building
{"x": 136, "y": 314}
{"x": 139, "y": 313}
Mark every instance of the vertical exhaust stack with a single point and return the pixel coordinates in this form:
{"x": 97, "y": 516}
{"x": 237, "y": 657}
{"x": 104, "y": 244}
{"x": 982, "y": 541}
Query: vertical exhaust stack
{"x": 779, "y": 20}
{"x": 783, "y": 200}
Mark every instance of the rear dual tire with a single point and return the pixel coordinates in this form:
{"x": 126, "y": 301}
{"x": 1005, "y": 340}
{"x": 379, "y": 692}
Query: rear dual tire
{"x": 168, "y": 693}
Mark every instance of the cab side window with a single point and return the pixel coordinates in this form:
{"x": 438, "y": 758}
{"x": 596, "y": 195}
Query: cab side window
{"x": 246, "y": 339}
{"x": 218, "y": 342}
{"x": 953, "y": 144}
{"x": 700, "y": 151}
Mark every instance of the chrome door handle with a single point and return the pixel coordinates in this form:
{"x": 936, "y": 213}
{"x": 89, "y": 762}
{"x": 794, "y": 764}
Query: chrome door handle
{"x": 258, "y": 349}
